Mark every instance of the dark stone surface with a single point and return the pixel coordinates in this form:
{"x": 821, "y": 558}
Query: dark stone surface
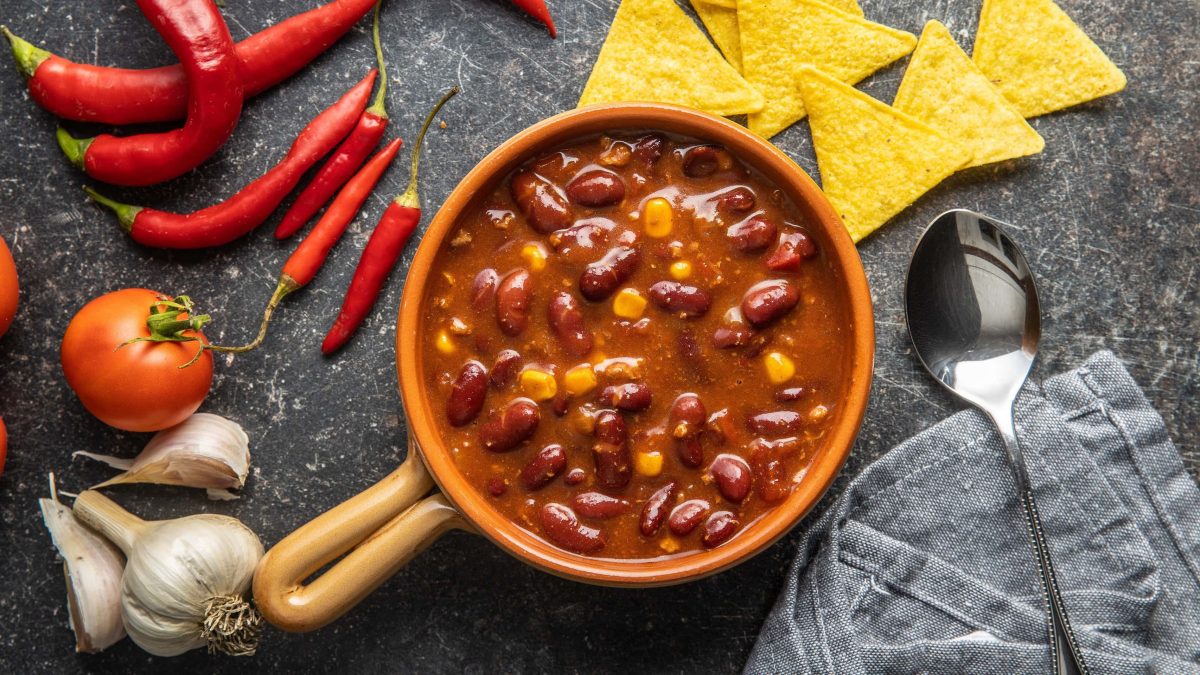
{"x": 1109, "y": 214}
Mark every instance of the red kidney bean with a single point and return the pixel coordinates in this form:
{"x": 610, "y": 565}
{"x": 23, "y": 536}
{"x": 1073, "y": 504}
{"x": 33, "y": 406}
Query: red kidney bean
{"x": 603, "y": 277}
{"x": 752, "y": 234}
{"x": 510, "y": 426}
{"x": 566, "y": 320}
{"x": 770, "y": 474}
{"x": 631, "y": 396}
{"x": 563, "y": 528}
{"x": 504, "y": 370}
{"x": 685, "y": 517}
{"x": 687, "y": 415}
{"x": 768, "y": 301}
{"x": 467, "y": 394}
{"x": 614, "y": 465}
{"x": 541, "y": 201}
{"x": 790, "y": 394}
{"x": 483, "y": 289}
{"x": 562, "y": 404}
{"x": 689, "y": 347}
{"x": 578, "y": 243}
{"x": 728, "y": 337}
{"x": 596, "y": 188}
{"x": 701, "y": 160}
{"x": 738, "y": 200}
{"x": 794, "y": 247}
{"x": 720, "y": 426}
{"x": 732, "y": 475}
{"x": 678, "y": 298}
{"x": 690, "y": 451}
{"x": 545, "y": 465}
{"x": 654, "y": 512}
{"x": 598, "y": 505}
{"x": 496, "y": 487}
{"x": 649, "y": 148}
{"x": 719, "y": 527}
{"x": 512, "y": 302}
{"x": 776, "y": 423}
{"x": 574, "y": 476}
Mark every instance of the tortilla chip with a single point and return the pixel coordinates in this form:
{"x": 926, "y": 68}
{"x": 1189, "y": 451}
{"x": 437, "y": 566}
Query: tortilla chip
{"x": 849, "y": 6}
{"x": 655, "y": 52}
{"x": 779, "y": 37}
{"x": 1039, "y": 59}
{"x": 722, "y": 25}
{"x": 874, "y": 160}
{"x": 944, "y": 89}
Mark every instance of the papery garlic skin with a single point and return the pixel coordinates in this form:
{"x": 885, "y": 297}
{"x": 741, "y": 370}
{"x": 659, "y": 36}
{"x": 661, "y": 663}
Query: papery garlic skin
{"x": 203, "y": 451}
{"x": 175, "y": 569}
{"x": 93, "y": 568}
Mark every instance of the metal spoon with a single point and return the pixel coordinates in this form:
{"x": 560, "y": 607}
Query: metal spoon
{"x": 972, "y": 310}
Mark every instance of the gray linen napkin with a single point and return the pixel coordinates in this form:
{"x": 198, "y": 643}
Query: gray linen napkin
{"x": 923, "y": 565}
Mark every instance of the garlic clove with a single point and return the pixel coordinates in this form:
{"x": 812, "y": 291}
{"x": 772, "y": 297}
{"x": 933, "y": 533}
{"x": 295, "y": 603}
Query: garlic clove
{"x": 203, "y": 451}
{"x": 93, "y": 568}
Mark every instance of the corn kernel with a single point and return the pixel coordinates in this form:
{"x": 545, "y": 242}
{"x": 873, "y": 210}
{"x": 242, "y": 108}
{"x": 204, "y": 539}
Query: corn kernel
{"x": 444, "y": 343}
{"x": 538, "y": 384}
{"x": 629, "y": 304}
{"x": 579, "y": 380}
{"x": 534, "y": 256}
{"x": 779, "y": 367}
{"x": 669, "y": 544}
{"x": 648, "y": 463}
{"x": 680, "y": 270}
{"x": 657, "y": 217}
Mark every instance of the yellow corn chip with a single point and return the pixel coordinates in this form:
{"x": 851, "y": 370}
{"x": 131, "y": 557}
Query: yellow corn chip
{"x": 655, "y": 52}
{"x": 779, "y": 37}
{"x": 944, "y": 89}
{"x": 850, "y": 6}
{"x": 1039, "y": 59}
{"x": 874, "y": 160}
{"x": 722, "y": 25}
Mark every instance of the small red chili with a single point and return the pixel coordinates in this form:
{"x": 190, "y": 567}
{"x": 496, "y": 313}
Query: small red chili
{"x": 195, "y": 31}
{"x": 347, "y": 158}
{"x": 382, "y": 250}
{"x": 310, "y": 255}
{"x": 246, "y": 210}
{"x": 122, "y": 96}
{"x": 538, "y": 10}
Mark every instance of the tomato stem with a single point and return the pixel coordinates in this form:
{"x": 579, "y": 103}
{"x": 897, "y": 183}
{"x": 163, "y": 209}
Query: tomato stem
{"x": 165, "y": 324}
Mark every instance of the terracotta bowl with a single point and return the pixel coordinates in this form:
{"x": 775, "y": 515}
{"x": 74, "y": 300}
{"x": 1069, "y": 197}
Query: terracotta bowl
{"x": 389, "y": 523}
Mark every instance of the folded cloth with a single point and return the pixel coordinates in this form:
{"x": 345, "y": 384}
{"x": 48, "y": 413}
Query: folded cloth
{"x": 923, "y": 562}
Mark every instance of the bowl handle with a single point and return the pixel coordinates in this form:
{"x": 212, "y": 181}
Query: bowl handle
{"x": 379, "y": 530}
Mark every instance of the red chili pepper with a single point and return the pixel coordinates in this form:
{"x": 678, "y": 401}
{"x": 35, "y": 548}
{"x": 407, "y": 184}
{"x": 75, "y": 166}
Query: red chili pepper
{"x": 538, "y": 10}
{"x": 247, "y": 209}
{"x": 195, "y": 31}
{"x": 347, "y": 158}
{"x": 121, "y": 96}
{"x": 310, "y": 255}
{"x": 382, "y": 250}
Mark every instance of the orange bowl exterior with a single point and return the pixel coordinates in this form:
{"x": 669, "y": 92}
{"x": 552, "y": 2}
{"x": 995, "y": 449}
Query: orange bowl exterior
{"x": 823, "y": 222}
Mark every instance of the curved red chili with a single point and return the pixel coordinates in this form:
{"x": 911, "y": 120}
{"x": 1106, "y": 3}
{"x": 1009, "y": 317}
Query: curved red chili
{"x": 538, "y": 10}
{"x": 121, "y": 96}
{"x": 247, "y": 209}
{"x": 310, "y": 255}
{"x": 195, "y": 31}
{"x": 382, "y": 250}
{"x": 349, "y": 156}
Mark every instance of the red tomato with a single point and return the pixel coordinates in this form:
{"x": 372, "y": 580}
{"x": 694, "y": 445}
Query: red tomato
{"x": 139, "y": 387}
{"x": 8, "y": 287}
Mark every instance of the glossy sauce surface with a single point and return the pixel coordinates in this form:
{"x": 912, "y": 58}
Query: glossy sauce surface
{"x": 637, "y": 346}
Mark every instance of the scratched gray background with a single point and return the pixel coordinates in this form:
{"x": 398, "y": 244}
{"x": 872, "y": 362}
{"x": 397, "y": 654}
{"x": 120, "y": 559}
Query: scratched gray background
{"x": 1109, "y": 213}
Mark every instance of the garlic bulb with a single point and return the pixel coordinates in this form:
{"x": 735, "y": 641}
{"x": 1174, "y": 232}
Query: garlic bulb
{"x": 185, "y": 581}
{"x": 203, "y": 451}
{"x": 92, "y": 567}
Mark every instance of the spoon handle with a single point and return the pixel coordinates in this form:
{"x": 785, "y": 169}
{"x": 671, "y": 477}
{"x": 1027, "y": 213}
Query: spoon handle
{"x": 1064, "y": 651}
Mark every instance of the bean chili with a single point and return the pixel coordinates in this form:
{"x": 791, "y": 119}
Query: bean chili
{"x": 240, "y": 214}
{"x": 348, "y": 157}
{"x": 122, "y": 96}
{"x": 665, "y": 379}
{"x": 195, "y": 31}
